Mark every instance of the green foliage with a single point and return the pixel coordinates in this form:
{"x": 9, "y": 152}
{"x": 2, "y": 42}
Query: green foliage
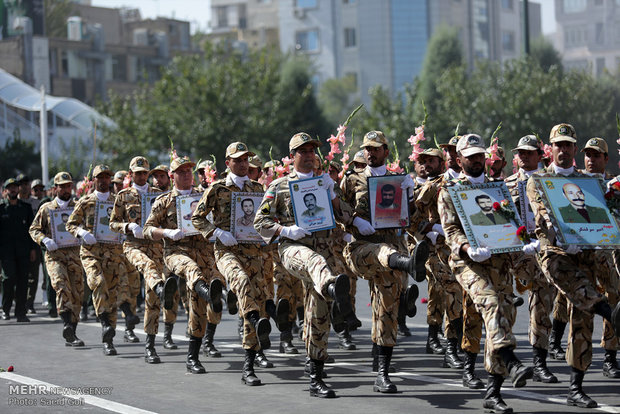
{"x": 77, "y": 157}
{"x": 543, "y": 52}
{"x": 19, "y": 156}
{"x": 56, "y": 14}
{"x": 337, "y": 98}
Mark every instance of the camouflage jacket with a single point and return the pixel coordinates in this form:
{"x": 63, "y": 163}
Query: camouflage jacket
{"x": 426, "y": 198}
{"x": 276, "y": 211}
{"x": 41, "y": 226}
{"x": 128, "y": 209}
{"x": 83, "y": 216}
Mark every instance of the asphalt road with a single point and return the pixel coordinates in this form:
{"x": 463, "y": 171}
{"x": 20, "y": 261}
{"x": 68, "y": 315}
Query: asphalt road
{"x": 51, "y": 378}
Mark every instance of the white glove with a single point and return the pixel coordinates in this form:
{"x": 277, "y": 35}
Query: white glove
{"x": 479, "y": 254}
{"x": 408, "y": 184}
{"x": 136, "y": 230}
{"x": 174, "y": 234}
{"x": 437, "y": 228}
{"x": 50, "y": 244}
{"x": 531, "y": 248}
{"x": 294, "y": 232}
{"x": 364, "y": 227}
{"x": 432, "y": 236}
{"x": 572, "y": 249}
{"x": 348, "y": 237}
{"x": 225, "y": 237}
{"x": 328, "y": 184}
{"x": 87, "y": 237}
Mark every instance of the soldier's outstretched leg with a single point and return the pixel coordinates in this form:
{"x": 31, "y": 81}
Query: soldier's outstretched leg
{"x": 150, "y": 354}
{"x": 212, "y": 293}
{"x": 415, "y": 265}
{"x": 576, "y": 396}
{"x": 67, "y": 328}
{"x": 193, "y": 364}
{"x": 493, "y": 398}
{"x": 383, "y": 383}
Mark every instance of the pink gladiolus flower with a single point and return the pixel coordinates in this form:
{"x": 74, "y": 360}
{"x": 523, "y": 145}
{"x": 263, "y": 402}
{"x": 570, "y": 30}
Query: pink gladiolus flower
{"x": 126, "y": 181}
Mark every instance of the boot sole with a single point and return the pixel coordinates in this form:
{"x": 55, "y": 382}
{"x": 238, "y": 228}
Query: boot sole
{"x": 215, "y": 295}
{"x": 420, "y": 255}
{"x": 170, "y": 288}
{"x": 231, "y": 302}
{"x": 263, "y": 329}
{"x": 384, "y": 390}
{"x": 191, "y": 371}
{"x": 282, "y": 310}
{"x": 330, "y": 394}
{"x": 580, "y": 405}
{"x": 251, "y": 383}
{"x": 411, "y": 294}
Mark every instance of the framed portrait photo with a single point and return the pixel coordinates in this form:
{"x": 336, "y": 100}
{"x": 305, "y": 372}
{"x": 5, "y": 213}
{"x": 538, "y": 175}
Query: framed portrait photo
{"x": 312, "y": 204}
{"x": 58, "y": 220}
{"x": 488, "y": 216}
{"x": 578, "y": 211}
{"x": 389, "y": 206}
{"x": 243, "y": 209}
{"x": 525, "y": 209}
{"x": 103, "y": 233}
{"x": 146, "y": 203}
{"x": 186, "y": 205}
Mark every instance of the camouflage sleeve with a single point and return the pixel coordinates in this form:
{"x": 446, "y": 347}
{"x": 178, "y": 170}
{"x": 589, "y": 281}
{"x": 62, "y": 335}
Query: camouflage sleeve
{"x": 76, "y": 220}
{"x": 157, "y": 218}
{"x": 544, "y": 232}
{"x": 455, "y": 237}
{"x": 344, "y": 214}
{"x": 205, "y": 206}
{"x": 265, "y": 221}
{"x": 40, "y": 229}
{"x": 118, "y": 213}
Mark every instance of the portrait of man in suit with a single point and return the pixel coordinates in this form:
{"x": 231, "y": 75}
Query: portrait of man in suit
{"x": 388, "y": 195}
{"x": 192, "y": 208}
{"x": 312, "y": 210}
{"x": 486, "y": 216}
{"x": 577, "y": 211}
{"x": 61, "y": 227}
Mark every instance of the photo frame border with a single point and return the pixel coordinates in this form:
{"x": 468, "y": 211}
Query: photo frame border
{"x": 522, "y": 190}
{"x": 96, "y": 224}
{"x": 233, "y": 212}
{"x": 53, "y": 227}
{"x": 404, "y": 199}
{"x": 180, "y": 220}
{"x": 143, "y": 213}
{"x": 331, "y": 209}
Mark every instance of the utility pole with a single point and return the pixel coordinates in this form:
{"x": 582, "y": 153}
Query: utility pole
{"x": 526, "y": 27}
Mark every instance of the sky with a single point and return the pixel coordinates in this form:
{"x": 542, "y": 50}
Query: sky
{"x": 198, "y": 12}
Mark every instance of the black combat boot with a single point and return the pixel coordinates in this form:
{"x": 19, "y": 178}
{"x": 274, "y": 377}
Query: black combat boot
{"x": 107, "y": 334}
{"x": 470, "y": 379}
{"x": 286, "y": 343}
{"x": 208, "y": 349}
{"x": 519, "y": 374}
{"x": 193, "y": 364}
{"x": 262, "y": 328}
{"x": 248, "y": 377}
{"x": 261, "y": 360}
{"x": 541, "y": 372}
{"x": 383, "y": 384}
{"x": 402, "y": 323}
{"x": 240, "y": 328}
{"x": 317, "y": 387}
{"x": 339, "y": 292}
{"x": 409, "y": 297}
{"x": 433, "y": 345}
{"x": 67, "y": 328}
{"x": 603, "y": 309}
{"x": 555, "y": 340}
{"x": 84, "y": 312}
{"x": 281, "y": 315}
{"x": 77, "y": 341}
{"x": 168, "y": 342}
{"x": 231, "y": 302}
{"x": 345, "y": 341}
{"x": 212, "y": 293}
{"x": 457, "y": 325}
{"x": 414, "y": 264}
{"x": 610, "y": 365}
{"x": 493, "y": 398}
{"x": 165, "y": 291}
{"x": 150, "y": 354}
{"x": 130, "y": 336}
{"x": 131, "y": 320}
{"x": 576, "y": 396}
{"x": 374, "y": 353}
{"x": 451, "y": 358}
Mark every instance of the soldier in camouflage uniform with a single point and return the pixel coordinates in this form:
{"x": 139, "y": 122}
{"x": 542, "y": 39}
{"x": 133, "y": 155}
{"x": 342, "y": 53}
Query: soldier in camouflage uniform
{"x": 308, "y": 256}
{"x": 379, "y": 257}
{"x": 185, "y": 256}
{"x": 241, "y": 264}
{"x": 63, "y": 265}
{"x": 104, "y": 263}
{"x": 485, "y": 278}
{"x": 525, "y": 268}
{"x": 145, "y": 255}
{"x": 570, "y": 270}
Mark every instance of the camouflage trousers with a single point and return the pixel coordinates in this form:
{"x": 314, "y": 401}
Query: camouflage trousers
{"x": 65, "y": 271}
{"x": 268, "y": 253}
{"x": 191, "y": 264}
{"x": 342, "y": 268}
{"x": 104, "y": 265}
{"x": 313, "y": 265}
{"x": 607, "y": 278}
{"x": 148, "y": 259}
{"x": 370, "y": 261}
{"x": 129, "y": 285}
{"x": 560, "y": 307}
{"x": 489, "y": 285}
{"x": 242, "y": 267}
{"x": 289, "y": 287}
{"x": 472, "y": 326}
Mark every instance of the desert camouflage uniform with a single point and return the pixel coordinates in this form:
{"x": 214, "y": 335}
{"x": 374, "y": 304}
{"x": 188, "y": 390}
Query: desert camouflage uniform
{"x": 289, "y": 287}
{"x": 310, "y": 259}
{"x": 488, "y": 284}
{"x": 560, "y": 307}
{"x": 367, "y": 257}
{"x": 541, "y": 293}
{"x": 185, "y": 258}
{"x": 339, "y": 245}
{"x": 144, "y": 255}
{"x": 573, "y": 275}
{"x": 241, "y": 265}
{"x": 104, "y": 263}
{"x": 63, "y": 265}
{"x": 129, "y": 284}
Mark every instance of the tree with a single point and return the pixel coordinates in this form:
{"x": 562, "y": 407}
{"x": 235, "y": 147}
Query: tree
{"x": 19, "y": 156}
{"x": 337, "y": 98}
{"x": 543, "y": 52}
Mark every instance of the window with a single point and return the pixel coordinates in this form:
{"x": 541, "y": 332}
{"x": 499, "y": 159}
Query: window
{"x": 349, "y": 37}
{"x": 119, "y": 67}
{"x": 575, "y": 36}
{"x": 508, "y": 40}
{"x": 574, "y": 6}
{"x": 599, "y": 34}
{"x": 221, "y": 16}
{"x": 307, "y": 41}
{"x": 306, "y": 4}
{"x": 507, "y": 4}
{"x": 600, "y": 66}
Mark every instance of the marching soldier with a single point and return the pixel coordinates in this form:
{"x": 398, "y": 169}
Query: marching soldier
{"x": 485, "y": 279}
{"x": 160, "y": 177}
{"x": 570, "y": 270}
{"x": 203, "y": 178}
{"x": 183, "y": 256}
{"x": 496, "y": 169}
{"x": 379, "y": 257}
{"x": 241, "y": 264}
{"x": 307, "y": 256}
{"x": 359, "y": 161}
{"x": 118, "y": 181}
{"x": 453, "y": 168}
{"x": 63, "y": 264}
{"x": 145, "y": 255}
{"x": 104, "y": 264}
{"x": 525, "y": 268}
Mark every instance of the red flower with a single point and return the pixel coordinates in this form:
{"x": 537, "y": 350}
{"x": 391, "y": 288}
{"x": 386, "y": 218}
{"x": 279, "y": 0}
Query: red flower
{"x": 616, "y": 186}
{"x": 522, "y": 234}
{"x": 496, "y": 206}
{"x": 10, "y": 368}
